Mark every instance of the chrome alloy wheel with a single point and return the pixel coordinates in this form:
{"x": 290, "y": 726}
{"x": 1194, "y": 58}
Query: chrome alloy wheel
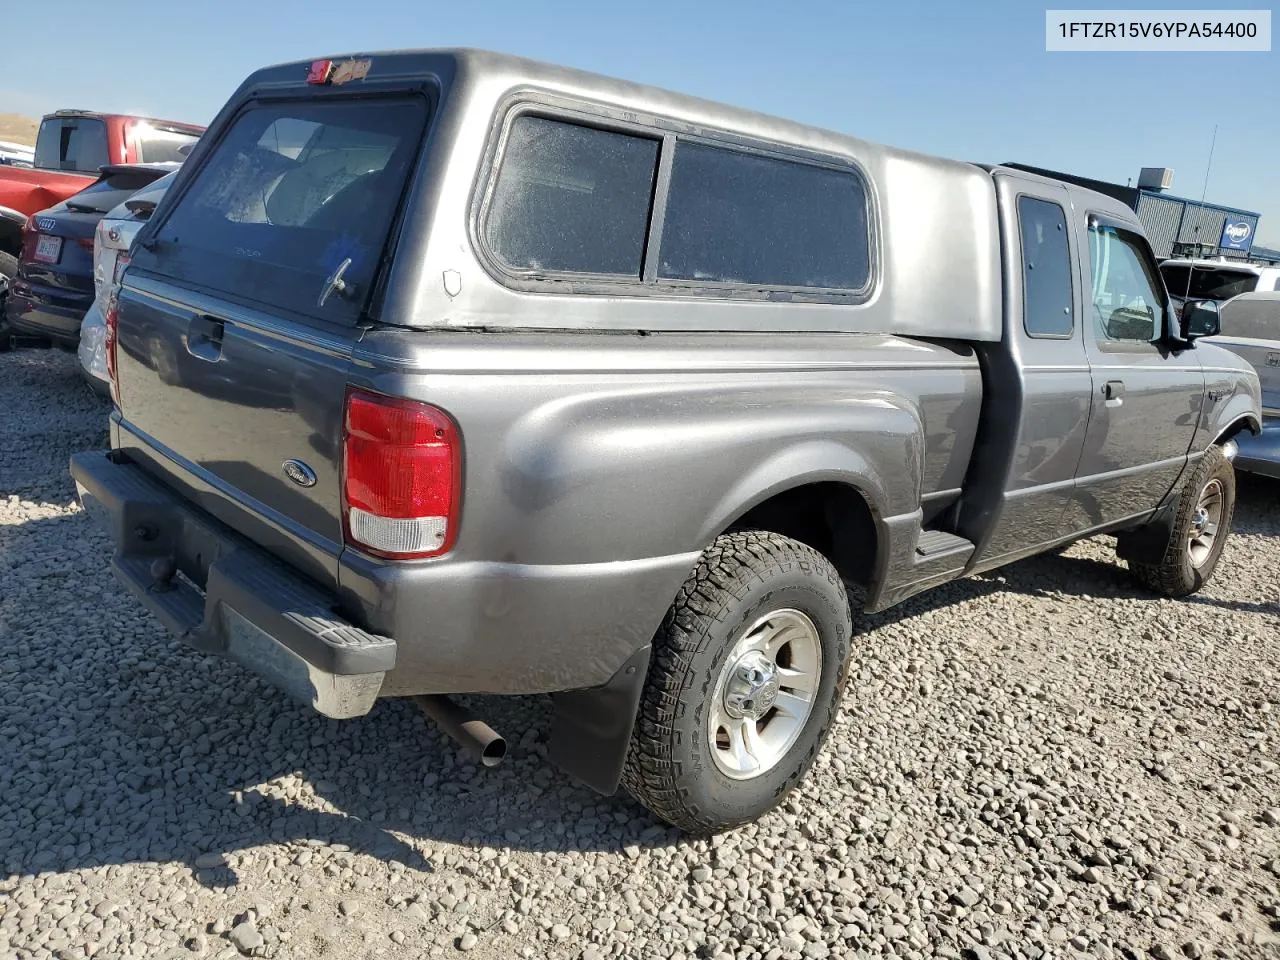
{"x": 1205, "y": 523}
{"x": 764, "y": 694}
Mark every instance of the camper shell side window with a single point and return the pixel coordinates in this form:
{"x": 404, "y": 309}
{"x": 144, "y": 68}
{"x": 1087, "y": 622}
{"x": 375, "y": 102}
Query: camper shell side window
{"x": 587, "y": 202}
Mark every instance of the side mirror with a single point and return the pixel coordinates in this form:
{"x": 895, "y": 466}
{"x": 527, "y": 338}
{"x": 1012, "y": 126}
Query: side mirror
{"x": 1200, "y": 318}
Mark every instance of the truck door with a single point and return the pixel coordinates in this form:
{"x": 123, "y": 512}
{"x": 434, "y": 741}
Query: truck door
{"x": 1036, "y": 383}
{"x": 1147, "y": 390}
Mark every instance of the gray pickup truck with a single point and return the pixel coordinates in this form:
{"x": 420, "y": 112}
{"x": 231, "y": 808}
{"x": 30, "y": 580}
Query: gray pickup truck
{"x": 447, "y": 372}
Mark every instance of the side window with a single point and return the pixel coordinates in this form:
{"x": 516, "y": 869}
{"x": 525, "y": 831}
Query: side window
{"x": 571, "y": 198}
{"x": 158, "y": 145}
{"x": 736, "y": 217}
{"x": 1046, "y": 269}
{"x": 1128, "y": 295}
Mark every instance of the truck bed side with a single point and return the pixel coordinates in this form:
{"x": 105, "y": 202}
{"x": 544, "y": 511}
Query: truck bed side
{"x": 599, "y": 466}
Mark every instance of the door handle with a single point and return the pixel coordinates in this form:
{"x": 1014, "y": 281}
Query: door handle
{"x": 204, "y": 338}
{"x": 1113, "y": 392}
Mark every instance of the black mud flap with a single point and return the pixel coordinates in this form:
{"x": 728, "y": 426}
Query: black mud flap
{"x": 592, "y": 728}
{"x": 1149, "y": 542}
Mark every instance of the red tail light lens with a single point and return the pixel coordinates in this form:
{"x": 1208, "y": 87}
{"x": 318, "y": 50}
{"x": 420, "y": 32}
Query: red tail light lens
{"x": 402, "y": 476}
{"x": 111, "y": 318}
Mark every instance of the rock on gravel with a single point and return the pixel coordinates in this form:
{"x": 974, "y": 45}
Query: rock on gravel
{"x": 1040, "y": 762}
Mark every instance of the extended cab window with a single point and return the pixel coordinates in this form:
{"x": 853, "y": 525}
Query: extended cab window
{"x": 737, "y": 217}
{"x": 72, "y": 143}
{"x": 1046, "y": 269}
{"x": 572, "y": 199}
{"x": 292, "y": 194}
{"x": 1127, "y": 293}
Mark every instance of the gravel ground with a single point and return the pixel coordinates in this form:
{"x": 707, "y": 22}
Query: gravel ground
{"x": 1043, "y": 762}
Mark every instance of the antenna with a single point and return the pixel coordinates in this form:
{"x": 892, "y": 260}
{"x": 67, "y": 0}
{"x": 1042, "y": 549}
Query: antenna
{"x": 1209, "y": 165}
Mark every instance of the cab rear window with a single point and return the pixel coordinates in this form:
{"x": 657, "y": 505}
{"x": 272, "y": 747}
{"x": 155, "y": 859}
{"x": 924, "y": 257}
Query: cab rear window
{"x": 78, "y": 144}
{"x": 294, "y": 195}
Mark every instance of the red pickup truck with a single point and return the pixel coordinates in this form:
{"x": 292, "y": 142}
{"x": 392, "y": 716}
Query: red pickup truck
{"x": 70, "y": 147}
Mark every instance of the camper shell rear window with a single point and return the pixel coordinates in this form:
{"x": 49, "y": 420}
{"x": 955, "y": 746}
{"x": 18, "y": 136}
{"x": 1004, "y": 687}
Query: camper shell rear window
{"x": 294, "y": 195}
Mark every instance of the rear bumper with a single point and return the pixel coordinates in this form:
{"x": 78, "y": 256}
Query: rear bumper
{"x": 229, "y": 596}
{"x": 44, "y": 314}
{"x": 1260, "y": 454}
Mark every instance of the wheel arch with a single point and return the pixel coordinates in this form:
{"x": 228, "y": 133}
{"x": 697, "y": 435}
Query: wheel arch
{"x": 1237, "y": 426}
{"x": 834, "y": 516}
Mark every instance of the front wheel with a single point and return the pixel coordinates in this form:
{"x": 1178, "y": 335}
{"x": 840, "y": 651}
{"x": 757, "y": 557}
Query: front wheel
{"x": 1205, "y": 507}
{"x": 744, "y": 683}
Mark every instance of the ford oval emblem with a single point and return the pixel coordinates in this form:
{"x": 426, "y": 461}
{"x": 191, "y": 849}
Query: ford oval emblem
{"x": 299, "y": 473}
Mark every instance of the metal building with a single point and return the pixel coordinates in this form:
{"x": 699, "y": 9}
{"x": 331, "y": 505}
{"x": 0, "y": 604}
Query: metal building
{"x": 1176, "y": 226}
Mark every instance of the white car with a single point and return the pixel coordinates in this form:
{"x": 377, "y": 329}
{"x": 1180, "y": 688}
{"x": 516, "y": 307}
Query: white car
{"x": 16, "y": 154}
{"x": 1251, "y": 328}
{"x": 115, "y": 233}
{"x": 1219, "y": 279}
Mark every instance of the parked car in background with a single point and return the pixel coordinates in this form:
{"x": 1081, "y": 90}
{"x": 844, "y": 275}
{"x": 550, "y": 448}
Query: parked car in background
{"x": 71, "y": 146}
{"x": 585, "y": 388}
{"x": 54, "y": 286}
{"x": 1219, "y": 279}
{"x": 111, "y": 240}
{"x": 16, "y": 154}
{"x": 1251, "y": 328}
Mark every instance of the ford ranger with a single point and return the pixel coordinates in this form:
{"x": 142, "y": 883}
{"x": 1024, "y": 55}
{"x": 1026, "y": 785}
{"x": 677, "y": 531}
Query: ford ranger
{"x": 447, "y": 372}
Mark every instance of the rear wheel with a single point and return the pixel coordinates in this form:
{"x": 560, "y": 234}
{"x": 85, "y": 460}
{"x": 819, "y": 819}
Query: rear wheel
{"x": 1205, "y": 507}
{"x": 744, "y": 682}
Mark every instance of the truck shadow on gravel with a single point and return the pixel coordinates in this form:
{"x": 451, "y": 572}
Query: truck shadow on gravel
{"x": 1056, "y": 575}
{"x": 119, "y": 745}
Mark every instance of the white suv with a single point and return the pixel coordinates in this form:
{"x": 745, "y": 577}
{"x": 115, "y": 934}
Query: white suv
{"x": 1219, "y": 279}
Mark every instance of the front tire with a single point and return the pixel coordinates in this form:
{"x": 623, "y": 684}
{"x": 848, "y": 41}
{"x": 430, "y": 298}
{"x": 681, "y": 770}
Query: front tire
{"x": 1205, "y": 507}
{"x": 744, "y": 682}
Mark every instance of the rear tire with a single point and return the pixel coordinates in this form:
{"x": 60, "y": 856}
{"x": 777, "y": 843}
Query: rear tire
{"x": 744, "y": 682}
{"x": 1201, "y": 523}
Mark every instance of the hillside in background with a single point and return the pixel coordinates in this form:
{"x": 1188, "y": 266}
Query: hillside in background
{"x": 18, "y": 129}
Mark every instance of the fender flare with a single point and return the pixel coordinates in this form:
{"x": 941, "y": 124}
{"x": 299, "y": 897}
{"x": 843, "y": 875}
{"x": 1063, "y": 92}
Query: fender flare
{"x": 828, "y": 460}
{"x": 1243, "y": 421}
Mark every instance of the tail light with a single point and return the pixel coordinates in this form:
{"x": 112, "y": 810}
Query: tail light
{"x": 402, "y": 476}
{"x": 111, "y": 320}
{"x": 111, "y": 317}
{"x": 30, "y": 234}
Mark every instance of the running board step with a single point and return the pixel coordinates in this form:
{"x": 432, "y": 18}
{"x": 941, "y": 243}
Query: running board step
{"x": 935, "y": 544}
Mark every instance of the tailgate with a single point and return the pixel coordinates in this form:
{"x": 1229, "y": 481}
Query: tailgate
{"x": 239, "y": 312}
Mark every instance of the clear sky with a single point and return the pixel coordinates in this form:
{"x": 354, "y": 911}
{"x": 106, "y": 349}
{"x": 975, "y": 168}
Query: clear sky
{"x": 959, "y": 80}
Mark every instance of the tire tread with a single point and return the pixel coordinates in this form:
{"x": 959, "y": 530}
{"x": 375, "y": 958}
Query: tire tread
{"x": 651, "y": 774}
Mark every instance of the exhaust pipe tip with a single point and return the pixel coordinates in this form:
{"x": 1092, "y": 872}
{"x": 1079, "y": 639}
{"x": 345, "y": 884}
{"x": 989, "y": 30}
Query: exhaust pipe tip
{"x": 476, "y": 736}
{"x": 494, "y": 752}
